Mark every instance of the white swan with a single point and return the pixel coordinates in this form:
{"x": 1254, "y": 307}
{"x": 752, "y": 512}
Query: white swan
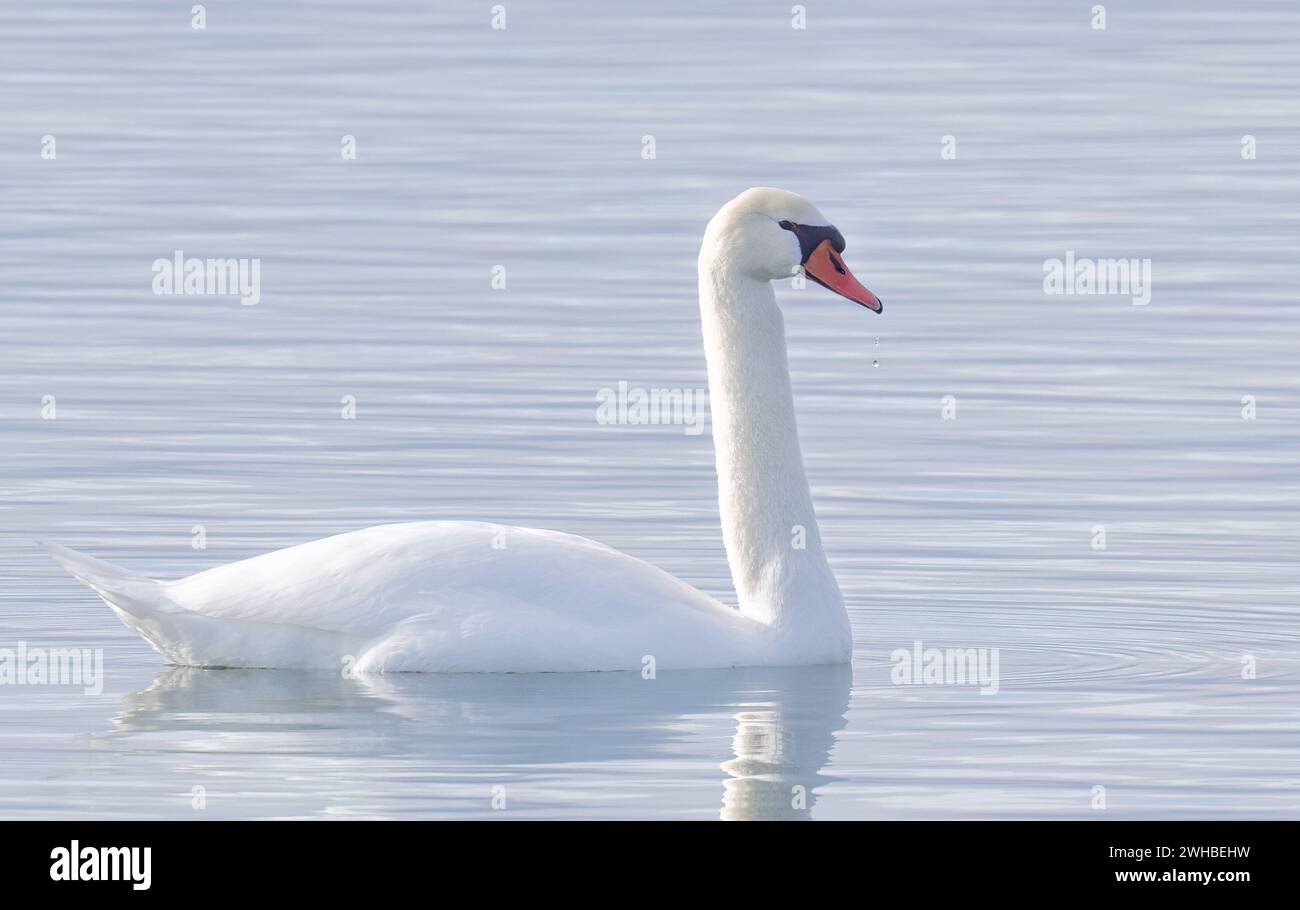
{"x": 440, "y": 597}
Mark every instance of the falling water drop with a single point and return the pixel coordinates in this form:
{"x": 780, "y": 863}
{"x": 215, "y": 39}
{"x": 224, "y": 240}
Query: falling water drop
{"x": 875, "y": 363}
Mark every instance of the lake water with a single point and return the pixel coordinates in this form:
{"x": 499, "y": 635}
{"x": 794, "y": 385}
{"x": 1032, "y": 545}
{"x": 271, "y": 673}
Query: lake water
{"x": 1124, "y": 671}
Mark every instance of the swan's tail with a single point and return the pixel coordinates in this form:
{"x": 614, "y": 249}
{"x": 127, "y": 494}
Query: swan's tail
{"x": 127, "y": 591}
{"x": 158, "y": 613}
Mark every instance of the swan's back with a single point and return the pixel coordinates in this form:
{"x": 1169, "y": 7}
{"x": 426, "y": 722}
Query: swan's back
{"x": 437, "y": 597}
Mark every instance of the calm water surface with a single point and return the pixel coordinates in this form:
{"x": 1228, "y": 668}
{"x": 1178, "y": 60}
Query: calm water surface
{"x": 1120, "y": 668}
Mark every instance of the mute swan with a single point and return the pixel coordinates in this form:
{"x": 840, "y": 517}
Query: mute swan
{"x": 437, "y": 596}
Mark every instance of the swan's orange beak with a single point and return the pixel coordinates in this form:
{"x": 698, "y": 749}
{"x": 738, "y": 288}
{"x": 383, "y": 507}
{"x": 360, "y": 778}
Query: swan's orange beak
{"x": 825, "y": 267}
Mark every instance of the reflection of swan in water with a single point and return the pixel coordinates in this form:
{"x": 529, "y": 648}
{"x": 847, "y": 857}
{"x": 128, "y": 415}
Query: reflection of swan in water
{"x": 782, "y": 743}
{"x": 432, "y": 745}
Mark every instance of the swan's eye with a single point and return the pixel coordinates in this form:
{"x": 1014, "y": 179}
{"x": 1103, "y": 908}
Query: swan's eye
{"x": 788, "y": 225}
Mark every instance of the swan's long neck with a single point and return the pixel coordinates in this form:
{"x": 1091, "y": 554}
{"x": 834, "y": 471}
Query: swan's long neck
{"x": 769, "y": 527}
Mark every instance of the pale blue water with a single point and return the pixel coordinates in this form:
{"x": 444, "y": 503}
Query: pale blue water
{"x": 1120, "y": 668}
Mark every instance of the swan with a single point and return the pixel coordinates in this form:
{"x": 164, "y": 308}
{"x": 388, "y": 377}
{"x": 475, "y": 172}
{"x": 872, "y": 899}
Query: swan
{"x": 450, "y": 596}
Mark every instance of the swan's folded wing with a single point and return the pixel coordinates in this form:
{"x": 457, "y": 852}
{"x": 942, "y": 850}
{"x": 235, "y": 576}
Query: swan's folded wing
{"x": 458, "y": 573}
{"x": 431, "y": 596}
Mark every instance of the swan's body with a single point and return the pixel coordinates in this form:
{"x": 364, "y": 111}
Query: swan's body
{"x": 432, "y": 596}
{"x": 470, "y": 597}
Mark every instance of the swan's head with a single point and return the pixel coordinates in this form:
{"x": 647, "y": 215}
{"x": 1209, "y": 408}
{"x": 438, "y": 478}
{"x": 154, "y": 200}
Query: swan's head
{"x": 769, "y": 234}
